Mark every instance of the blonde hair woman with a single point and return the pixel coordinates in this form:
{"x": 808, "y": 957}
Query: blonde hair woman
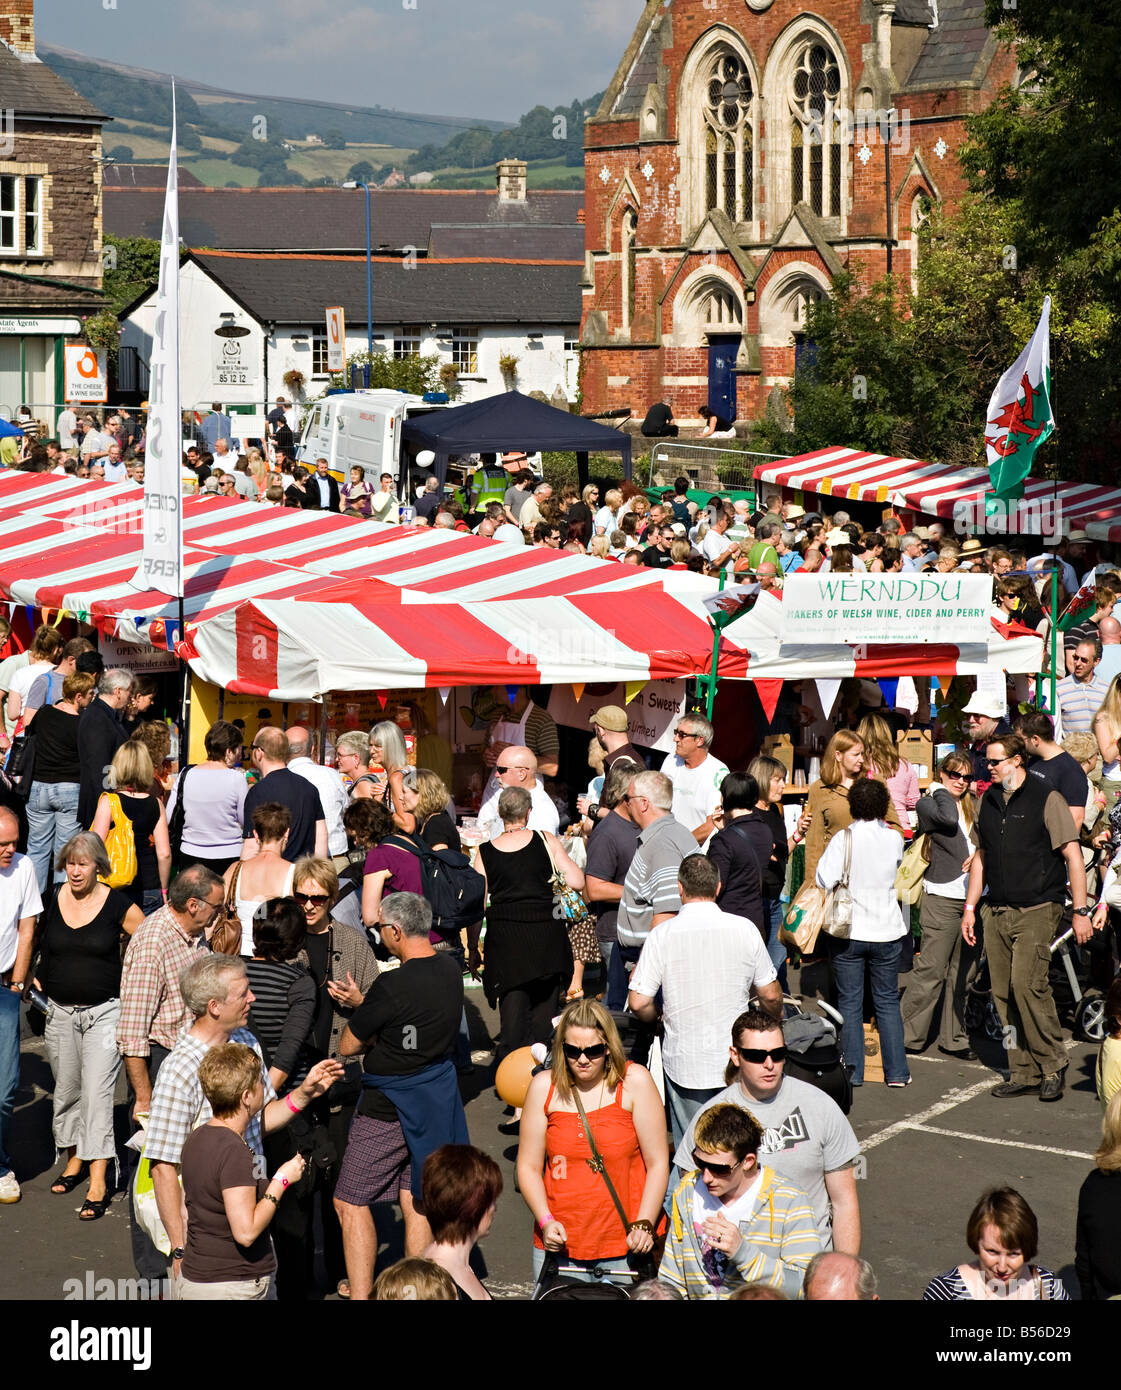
{"x": 387, "y": 748}
{"x": 131, "y": 775}
{"x": 882, "y": 760}
{"x": 600, "y": 547}
{"x": 827, "y": 806}
{"x": 606, "y": 517}
{"x": 591, "y": 1082}
{"x": 1099, "y": 1211}
{"x": 1106, "y": 727}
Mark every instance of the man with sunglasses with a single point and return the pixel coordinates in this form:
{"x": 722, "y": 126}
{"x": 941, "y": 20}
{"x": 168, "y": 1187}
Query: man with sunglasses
{"x": 1028, "y": 850}
{"x": 517, "y": 767}
{"x": 806, "y": 1138}
{"x": 705, "y": 963}
{"x": 734, "y": 1221}
{"x": 696, "y": 776}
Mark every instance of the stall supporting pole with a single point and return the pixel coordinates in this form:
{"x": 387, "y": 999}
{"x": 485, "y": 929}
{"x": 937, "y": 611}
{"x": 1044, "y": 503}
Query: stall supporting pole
{"x": 185, "y": 701}
{"x": 1054, "y": 637}
{"x": 710, "y": 679}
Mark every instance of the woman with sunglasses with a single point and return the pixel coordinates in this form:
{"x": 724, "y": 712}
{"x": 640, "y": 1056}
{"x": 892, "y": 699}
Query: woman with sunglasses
{"x": 944, "y": 965}
{"x": 591, "y": 1088}
{"x": 342, "y": 967}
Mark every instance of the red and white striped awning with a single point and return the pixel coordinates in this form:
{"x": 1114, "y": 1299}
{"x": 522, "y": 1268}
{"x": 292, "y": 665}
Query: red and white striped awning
{"x": 936, "y": 490}
{"x": 74, "y": 545}
{"x": 298, "y": 651}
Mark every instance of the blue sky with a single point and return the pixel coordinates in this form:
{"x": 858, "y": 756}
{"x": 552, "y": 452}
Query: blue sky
{"x": 487, "y": 58}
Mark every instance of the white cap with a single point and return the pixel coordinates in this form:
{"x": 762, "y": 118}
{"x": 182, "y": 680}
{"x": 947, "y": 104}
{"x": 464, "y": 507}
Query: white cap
{"x": 509, "y": 533}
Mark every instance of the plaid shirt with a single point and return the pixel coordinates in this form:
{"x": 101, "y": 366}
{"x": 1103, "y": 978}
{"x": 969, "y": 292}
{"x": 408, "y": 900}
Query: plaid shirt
{"x": 178, "y": 1104}
{"x": 152, "y": 1009}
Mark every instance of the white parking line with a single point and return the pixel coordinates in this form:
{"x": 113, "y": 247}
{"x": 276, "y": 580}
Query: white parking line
{"x": 1004, "y": 1143}
{"x": 948, "y": 1102}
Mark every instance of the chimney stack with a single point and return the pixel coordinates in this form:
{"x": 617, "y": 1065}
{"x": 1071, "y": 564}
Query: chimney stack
{"x": 17, "y": 26}
{"x": 511, "y": 180}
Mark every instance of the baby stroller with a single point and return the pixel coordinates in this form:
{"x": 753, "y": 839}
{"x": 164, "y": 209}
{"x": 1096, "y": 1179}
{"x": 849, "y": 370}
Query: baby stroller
{"x": 813, "y": 1051}
{"x": 1085, "y": 1008}
{"x": 980, "y": 1014}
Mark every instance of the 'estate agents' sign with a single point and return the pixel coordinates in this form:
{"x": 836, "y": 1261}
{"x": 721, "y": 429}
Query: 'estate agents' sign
{"x": 927, "y": 607}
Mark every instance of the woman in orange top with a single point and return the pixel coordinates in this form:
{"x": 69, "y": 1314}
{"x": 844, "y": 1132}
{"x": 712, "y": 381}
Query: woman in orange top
{"x": 573, "y": 1209}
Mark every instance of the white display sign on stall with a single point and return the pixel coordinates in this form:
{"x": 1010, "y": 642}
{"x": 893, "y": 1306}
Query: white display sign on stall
{"x": 136, "y": 657}
{"x": 651, "y": 715}
{"x": 927, "y": 607}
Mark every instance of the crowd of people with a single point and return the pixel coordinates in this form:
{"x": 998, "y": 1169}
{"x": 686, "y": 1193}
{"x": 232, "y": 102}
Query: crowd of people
{"x": 273, "y": 945}
{"x": 273, "y": 963}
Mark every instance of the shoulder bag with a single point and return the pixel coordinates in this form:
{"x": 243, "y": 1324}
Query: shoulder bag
{"x": 646, "y": 1266}
{"x": 177, "y": 821}
{"x": 120, "y": 845}
{"x": 578, "y": 919}
{"x": 838, "y": 904}
{"x": 912, "y": 871}
{"x": 225, "y": 939}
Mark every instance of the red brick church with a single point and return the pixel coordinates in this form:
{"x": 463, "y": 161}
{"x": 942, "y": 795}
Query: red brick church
{"x": 746, "y": 151}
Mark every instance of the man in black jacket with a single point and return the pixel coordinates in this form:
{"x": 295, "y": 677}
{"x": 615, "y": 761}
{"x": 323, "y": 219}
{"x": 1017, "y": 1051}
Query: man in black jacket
{"x": 1028, "y": 849}
{"x": 323, "y": 488}
{"x": 100, "y": 734}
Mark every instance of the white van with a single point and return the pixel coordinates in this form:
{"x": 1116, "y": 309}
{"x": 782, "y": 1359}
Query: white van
{"x": 360, "y": 427}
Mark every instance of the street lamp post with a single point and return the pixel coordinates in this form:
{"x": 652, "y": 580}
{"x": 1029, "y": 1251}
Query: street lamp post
{"x": 359, "y": 183}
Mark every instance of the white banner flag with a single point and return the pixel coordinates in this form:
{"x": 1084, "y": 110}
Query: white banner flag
{"x": 161, "y": 567}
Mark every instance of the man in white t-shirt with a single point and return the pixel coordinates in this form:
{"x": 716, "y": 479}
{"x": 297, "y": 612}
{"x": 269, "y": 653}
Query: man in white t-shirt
{"x": 517, "y": 767}
{"x": 717, "y": 547}
{"x": 706, "y": 963}
{"x": 116, "y": 470}
{"x": 20, "y": 905}
{"x": 67, "y": 424}
{"x": 327, "y": 782}
{"x": 696, "y": 776}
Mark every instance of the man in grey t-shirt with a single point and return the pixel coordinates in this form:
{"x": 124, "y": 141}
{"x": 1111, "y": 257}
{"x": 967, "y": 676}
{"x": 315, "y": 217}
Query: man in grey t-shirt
{"x": 806, "y": 1138}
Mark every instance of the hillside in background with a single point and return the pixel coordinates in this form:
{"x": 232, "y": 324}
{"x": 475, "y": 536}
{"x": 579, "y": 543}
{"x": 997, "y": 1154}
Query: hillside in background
{"x": 219, "y": 134}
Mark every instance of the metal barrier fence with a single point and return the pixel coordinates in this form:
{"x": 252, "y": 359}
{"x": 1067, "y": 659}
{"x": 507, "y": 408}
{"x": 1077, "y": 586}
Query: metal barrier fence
{"x": 711, "y": 468}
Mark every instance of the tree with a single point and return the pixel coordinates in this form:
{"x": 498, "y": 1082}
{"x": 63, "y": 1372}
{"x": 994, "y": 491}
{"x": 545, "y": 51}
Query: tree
{"x": 122, "y": 154}
{"x": 362, "y": 172}
{"x": 334, "y": 140}
{"x": 132, "y": 267}
{"x": 1060, "y": 131}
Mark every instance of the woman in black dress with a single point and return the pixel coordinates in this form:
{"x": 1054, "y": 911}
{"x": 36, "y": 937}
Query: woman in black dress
{"x": 80, "y": 973}
{"x": 132, "y": 774}
{"x": 528, "y": 957}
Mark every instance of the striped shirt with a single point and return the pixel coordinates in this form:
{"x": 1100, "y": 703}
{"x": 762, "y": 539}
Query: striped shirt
{"x": 1079, "y": 701}
{"x": 178, "y": 1104}
{"x": 779, "y": 1240}
{"x": 281, "y": 1017}
{"x": 152, "y": 1009}
{"x": 951, "y": 1288}
{"x": 650, "y": 886}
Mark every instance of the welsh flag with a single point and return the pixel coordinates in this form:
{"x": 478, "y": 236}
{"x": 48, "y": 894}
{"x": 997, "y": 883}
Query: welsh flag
{"x": 1019, "y": 416}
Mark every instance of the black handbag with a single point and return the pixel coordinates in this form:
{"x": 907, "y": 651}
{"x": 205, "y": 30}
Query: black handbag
{"x": 20, "y": 766}
{"x": 177, "y": 821}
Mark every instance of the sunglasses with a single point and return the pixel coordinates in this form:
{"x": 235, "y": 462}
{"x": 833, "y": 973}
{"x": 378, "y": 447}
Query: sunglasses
{"x": 718, "y": 1170}
{"x": 760, "y": 1054}
{"x": 311, "y": 899}
{"x": 593, "y": 1053}
{"x": 510, "y": 769}
{"x": 958, "y": 776}
{"x": 684, "y": 733}
{"x": 995, "y": 762}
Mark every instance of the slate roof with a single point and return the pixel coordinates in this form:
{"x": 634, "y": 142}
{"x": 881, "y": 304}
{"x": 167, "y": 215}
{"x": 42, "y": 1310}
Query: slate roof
{"x": 644, "y": 72}
{"x": 296, "y": 289}
{"x": 326, "y": 219}
{"x": 564, "y": 242}
{"x": 953, "y": 52}
{"x": 30, "y": 88}
{"x": 145, "y": 176}
{"x": 913, "y": 12}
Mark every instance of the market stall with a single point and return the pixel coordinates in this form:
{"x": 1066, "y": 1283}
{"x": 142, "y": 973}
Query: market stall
{"x": 935, "y": 490}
